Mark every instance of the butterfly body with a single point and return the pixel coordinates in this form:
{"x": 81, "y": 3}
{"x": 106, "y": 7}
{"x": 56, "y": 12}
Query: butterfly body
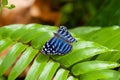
{"x": 60, "y": 44}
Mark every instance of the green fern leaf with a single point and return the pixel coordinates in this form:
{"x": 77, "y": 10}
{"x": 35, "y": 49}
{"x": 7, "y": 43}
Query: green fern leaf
{"x": 87, "y": 57}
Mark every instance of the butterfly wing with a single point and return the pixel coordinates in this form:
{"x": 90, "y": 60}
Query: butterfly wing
{"x": 60, "y": 43}
{"x": 49, "y": 47}
{"x": 56, "y": 46}
{"x": 65, "y": 48}
{"x": 63, "y": 32}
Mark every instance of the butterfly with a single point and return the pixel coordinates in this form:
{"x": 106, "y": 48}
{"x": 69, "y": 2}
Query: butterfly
{"x": 60, "y": 44}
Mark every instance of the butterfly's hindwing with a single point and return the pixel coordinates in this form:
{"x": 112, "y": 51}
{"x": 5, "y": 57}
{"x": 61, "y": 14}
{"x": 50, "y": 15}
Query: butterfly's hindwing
{"x": 65, "y": 34}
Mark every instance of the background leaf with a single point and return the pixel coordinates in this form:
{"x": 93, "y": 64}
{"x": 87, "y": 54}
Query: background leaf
{"x": 108, "y": 15}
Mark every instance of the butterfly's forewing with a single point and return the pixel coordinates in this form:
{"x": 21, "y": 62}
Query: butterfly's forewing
{"x": 49, "y": 48}
{"x": 56, "y": 45}
{"x": 63, "y": 32}
{"x": 65, "y": 48}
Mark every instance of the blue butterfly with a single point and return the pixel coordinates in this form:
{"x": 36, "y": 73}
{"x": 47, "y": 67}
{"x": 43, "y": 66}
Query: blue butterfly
{"x": 60, "y": 44}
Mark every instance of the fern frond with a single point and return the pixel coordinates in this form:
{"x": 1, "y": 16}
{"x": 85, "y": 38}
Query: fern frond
{"x": 24, "y": 43}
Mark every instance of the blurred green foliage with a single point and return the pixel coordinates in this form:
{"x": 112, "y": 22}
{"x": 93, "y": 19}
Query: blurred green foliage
{"x": 109, "y": 15}
{"x": 79, "y": 12}
{"x": 90, "y": 13}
